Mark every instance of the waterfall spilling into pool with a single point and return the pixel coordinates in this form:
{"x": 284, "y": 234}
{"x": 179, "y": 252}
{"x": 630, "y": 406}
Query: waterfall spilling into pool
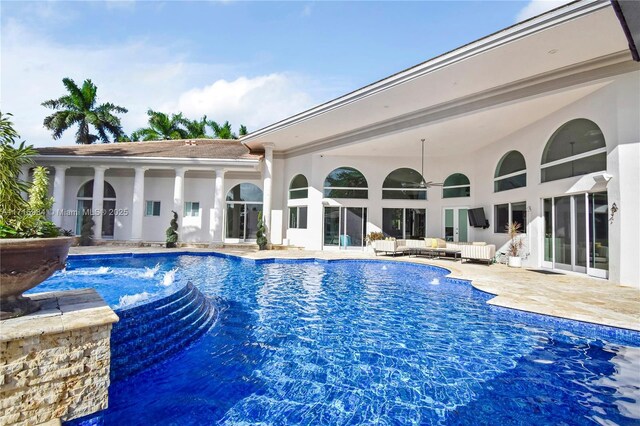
{"x": 149, "y": 333}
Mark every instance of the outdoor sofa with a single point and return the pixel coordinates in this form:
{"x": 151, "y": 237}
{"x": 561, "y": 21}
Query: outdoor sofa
{"x": 437, "y": 247}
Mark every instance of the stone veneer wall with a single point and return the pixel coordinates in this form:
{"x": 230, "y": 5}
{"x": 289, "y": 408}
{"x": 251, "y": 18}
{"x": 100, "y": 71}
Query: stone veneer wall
{"x": 54, "y": 364}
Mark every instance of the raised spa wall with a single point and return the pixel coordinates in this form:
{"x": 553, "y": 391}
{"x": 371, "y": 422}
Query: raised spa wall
{"x": 54, "y": 363}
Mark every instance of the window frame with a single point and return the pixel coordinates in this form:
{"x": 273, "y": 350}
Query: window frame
{"x": 467, "y": 185}
{"x": 188, "y": 212}
{"x": 509, "y": 205}
{"x": 499, "y": 178}
{"x": 302, "y": 189}
{"x": 153, "y": 204}
{"x": 403, "y": 221}
{"x": 363, "y": 190}
{"x": 298, "y": 209}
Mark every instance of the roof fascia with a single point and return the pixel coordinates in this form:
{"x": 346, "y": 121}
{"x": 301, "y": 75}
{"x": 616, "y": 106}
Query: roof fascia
{"x": 165, "y": 162}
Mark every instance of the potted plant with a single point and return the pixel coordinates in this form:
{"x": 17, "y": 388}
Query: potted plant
{"x": 30, "y": 245}
{"x": 172, "y": 231}
{"x": 515, "y": 244}
{"x": 261, "y": 238}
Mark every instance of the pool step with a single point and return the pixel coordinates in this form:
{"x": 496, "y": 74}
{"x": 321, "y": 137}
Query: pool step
{"x": 150, "y": 333}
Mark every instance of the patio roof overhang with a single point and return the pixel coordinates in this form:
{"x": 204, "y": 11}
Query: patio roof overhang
{"x": 507, "y": 79}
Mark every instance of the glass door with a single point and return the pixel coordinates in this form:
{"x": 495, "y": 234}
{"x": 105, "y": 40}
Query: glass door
{"x": 576, "y": 233}
{"x": 242, "y": 222}
{"x": 598, "y": 223}
{"x": 345, "y": 227}
{"x": 456, "y": 224}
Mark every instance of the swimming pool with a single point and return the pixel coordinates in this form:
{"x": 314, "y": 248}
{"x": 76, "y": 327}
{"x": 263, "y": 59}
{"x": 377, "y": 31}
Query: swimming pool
{"x": 362, "y": 342}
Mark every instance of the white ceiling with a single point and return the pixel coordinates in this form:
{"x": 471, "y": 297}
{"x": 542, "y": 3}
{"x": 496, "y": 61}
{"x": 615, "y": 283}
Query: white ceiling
{"x": 466, "y": 133}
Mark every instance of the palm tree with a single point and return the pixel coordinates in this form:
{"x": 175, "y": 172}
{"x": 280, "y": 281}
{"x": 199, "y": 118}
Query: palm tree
{"x": 79, "y": 108}
{"x": 161, "y": 126}
{"x": 222, "y": 132}
{"x": 197, "y": 129}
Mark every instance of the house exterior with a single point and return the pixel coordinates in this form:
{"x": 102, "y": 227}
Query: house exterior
{"x": 538, "y": 123}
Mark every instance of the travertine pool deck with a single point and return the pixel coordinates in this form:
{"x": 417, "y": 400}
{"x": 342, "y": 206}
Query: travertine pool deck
{"x": 570, "y": 296}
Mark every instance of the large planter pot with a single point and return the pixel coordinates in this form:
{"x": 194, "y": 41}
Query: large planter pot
{"x": 26, "y": 262}
{"x": 515, "y": 261}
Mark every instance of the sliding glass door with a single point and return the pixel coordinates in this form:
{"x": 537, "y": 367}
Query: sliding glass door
{"x": 345, "y": 227}
{"x": 577, "y": 233}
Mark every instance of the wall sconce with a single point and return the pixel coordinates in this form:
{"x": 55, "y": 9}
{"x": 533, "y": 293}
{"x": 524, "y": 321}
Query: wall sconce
{"x": 614, "y": 209}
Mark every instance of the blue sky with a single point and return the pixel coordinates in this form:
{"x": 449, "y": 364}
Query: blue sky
{"x": 251, "y": 63}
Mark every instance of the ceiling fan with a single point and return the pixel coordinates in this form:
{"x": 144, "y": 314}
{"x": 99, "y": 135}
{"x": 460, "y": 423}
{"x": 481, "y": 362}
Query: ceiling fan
{"x": 423, "y": 183}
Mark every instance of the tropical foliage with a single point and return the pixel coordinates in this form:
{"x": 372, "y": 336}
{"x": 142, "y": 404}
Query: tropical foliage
{"x": 175, "y": 126}
{"x": 79, "y": 107}
{"x": 161, "y": 126}
{"x": 20, "y": 218}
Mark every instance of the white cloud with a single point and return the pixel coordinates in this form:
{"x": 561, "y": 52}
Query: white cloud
{"x": 537, "y": 7}
{"x": 137, "y": 75}
{"x": 254, "y": 102}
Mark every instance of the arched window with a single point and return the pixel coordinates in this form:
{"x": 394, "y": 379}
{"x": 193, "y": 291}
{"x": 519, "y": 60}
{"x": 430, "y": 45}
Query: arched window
{"x": 511, "y": 172}
{"x": 299, "y": 188}
{"x": 456, "y": 185}
{"x": 86, "y": 190}
{"x": 244, "y": 203}
{"x": 85, "y": 206}
{"x": 345, "y": 182}
{"x": 404, "y": 184}
{"x": 576, "y": 148}
{"x": 245, "y": 192}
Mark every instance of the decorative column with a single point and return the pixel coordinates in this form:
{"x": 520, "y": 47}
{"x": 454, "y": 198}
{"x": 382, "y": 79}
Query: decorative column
{"x": 137, "y": 210}
{"x": 58, "y": 194}
{"x": 218, "y": 207}
{"x": 267, "y": 171}
{"x": 96, "y": 203}
{"x": 178, "y": 193}
{"x": 24, "y": 176}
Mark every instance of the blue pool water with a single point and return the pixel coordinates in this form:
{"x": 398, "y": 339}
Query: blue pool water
{"x": 362, "y": 342}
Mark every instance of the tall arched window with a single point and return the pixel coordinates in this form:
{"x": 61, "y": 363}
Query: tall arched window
{"x": 576, "y": 148}
{"x": 511, "y": 172}
{"x": 404, "y": 184}
{"x": 456, "y": 185}
{"x": 244, "y": 203}
{"x": 345, "y": 182}
{"x": 299, "y": 187}
{"x": 85, "y": 206}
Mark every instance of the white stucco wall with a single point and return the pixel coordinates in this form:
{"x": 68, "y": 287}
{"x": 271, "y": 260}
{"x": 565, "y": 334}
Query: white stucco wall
{"x": 615, "y": 108}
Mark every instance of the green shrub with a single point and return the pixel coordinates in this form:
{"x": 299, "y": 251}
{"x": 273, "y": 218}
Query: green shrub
{"x": 261, "y": 238}
{"x": 86, "y": 231}
{"x": 172, "y": 234}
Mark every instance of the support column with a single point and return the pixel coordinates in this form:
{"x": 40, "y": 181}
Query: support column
{"x": 267, "y": 171}
{"x": 218, "y": 207}
{"x": 178, "y": 194}
{"x": 24, "y": 176}
{"x": 58, "y": 194}
{"x": 97, "y": 202}
{"x": 137, "y": 210}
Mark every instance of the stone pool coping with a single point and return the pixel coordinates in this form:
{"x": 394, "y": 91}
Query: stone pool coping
{"x": 60, "y": 311}
{"x": 569, "y": 296}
